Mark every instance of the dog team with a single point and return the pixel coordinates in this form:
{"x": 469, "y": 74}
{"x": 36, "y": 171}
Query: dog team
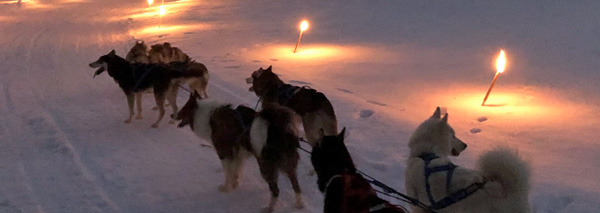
{"x": 499, "y": 184}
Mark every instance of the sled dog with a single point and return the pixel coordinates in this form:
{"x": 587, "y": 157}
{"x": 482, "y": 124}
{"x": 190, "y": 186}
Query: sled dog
{"x": 313, "y": 107}
{"x": 138, "y": 53}
{"x": 164, "y": 53}
{"x": 499, "y": 184}
{"x": 345, "y": 190}
{"x": 274, "y": 139}
{"x": 138, "y": 77}
{"x": 269, "y": 135}
{"x": 228, "y": 130}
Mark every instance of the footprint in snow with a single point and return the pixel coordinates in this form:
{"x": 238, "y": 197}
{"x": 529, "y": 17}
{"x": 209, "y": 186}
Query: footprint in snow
{"x": 345, "y": 90}
{"x": 273, "y": 59}
{"x": 475, "y": 130}
{"x": 162, "y": 35}
{"x": 365, "y": 113}
{"x": 233, "y": 67}
{"x": 482, "y": 119}
{"x": 188, "y": 33}
{"x": 380, "y": 167}
{"x": 376, "y": 103}
{"x": 256, "y": 61}
{"x": 299, "y": 82}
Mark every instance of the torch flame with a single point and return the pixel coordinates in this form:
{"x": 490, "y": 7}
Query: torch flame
{"x": 303, "y": 25}
{"x": 162, "y": 10}
{"x": 501, "y": 62}
{"x": 150, "y": 2}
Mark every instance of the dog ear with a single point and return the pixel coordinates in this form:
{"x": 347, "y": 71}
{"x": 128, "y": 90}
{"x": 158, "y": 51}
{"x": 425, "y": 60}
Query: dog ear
{"x": 321, "y": 133}
{"x": 197, "y": 95}
{"x": 342, "y": 133}
{"x": 112, "y": 53}
{"x": 270, "y": 69}
{"x": 437, "y": 114}
{"x": 445, "y": 118}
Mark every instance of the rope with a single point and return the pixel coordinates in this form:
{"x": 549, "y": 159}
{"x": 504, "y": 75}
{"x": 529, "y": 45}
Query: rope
{"x": 388, "y": 191}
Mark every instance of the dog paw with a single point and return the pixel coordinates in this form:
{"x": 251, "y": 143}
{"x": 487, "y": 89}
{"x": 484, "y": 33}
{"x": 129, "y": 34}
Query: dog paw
{"x": 267, "y": 210}
{"x": 299, "y": 205}
{"x": 155, "y": 108}
{"x": 224, "y": 188}
{"x": 171, "y": 121}
{"x": 138, "y": 117}
{"x": 127, "y": 121}
{"x": 154, "y": 126}
{"x": 235, "y": 184}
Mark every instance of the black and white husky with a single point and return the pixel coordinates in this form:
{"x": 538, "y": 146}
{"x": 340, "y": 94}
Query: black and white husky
{"x": 134, "y": 78}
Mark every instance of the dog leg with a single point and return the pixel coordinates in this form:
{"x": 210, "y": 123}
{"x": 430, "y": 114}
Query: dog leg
{"x": 226, "y": 164}
{"x": 236, "y": 171}
{"x": 270, "y": 173}
{"x": 160, "y": 101}
{"x": 292, "y": 175}
{"x": 138, "y": 102}
{"x": 130, "y": 99}
{"x": 172, "y": 98}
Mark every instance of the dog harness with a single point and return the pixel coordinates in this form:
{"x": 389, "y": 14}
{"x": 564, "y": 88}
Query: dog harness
{"x": 286, "y": 92}
{"x": 449, "y": 169}
{"x": 357, "y": 190}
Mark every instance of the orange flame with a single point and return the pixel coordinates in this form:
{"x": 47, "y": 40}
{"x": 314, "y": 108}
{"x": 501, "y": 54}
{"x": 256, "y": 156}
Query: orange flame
{"x": 162, "y": 10}
{"x": 303, "y": 25}
{"x": 150, "y": 2}
{"x": 501, "y": 62}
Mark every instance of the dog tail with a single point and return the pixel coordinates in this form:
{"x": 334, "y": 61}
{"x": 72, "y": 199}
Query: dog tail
{"x": 504, "y": 165}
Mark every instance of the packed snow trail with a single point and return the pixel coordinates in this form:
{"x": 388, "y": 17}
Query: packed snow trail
{"x": 384, "y": 65}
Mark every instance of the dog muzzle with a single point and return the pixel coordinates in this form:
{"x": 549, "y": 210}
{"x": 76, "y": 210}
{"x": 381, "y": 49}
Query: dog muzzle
{"x": 249, "y": 80}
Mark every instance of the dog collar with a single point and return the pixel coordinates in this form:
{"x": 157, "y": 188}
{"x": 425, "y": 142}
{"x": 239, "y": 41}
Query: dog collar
{"x": 331, "y": 180}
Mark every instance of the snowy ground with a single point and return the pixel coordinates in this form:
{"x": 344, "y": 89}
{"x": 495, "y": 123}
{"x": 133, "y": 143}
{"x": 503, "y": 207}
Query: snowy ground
{"x": 384, "y": 64}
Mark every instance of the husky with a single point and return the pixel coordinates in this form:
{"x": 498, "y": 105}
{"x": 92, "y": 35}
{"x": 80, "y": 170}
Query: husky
{"x": 345, "y": 190}
{"x": 274, "y": 139}
{"x": 499, "y": 184}
{"x": 313, "y": 107}
{"x": 138, "y": 77}
{"x": 165, "y": 53}
{"x": 228, "y": 129}
{"x": 138, "y": 53}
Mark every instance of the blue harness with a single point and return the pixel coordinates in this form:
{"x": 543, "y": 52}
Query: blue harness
{"x": 449, "y": 168}
{"x": 285, "y": 93}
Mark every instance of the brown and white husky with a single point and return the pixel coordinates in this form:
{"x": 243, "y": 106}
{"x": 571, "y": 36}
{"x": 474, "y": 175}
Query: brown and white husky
{"x": 226, "y": 128}
{"x": 236, "y": 134}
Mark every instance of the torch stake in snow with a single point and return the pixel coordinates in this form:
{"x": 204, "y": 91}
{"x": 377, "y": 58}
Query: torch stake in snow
{"x": 303, "y": 27}
{"x": 500, "y": 64}
{"x": 161, "y": 14}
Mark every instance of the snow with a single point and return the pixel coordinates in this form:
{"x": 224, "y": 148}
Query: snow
{"x": 385, "y": 65}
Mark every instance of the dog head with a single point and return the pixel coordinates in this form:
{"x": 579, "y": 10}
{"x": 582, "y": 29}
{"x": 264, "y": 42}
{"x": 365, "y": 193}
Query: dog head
{"x": 330, "y": 157}
{"x": 139, "y": 46}
{"x": 436, "y": 136}
{"x": 261, "y": 79}
{"x": 102, "y": 62}
{"x": 187, "y": 112}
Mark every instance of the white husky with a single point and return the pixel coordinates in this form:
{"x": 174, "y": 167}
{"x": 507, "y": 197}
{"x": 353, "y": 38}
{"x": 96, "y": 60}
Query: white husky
{"x": 500, "y": 184}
